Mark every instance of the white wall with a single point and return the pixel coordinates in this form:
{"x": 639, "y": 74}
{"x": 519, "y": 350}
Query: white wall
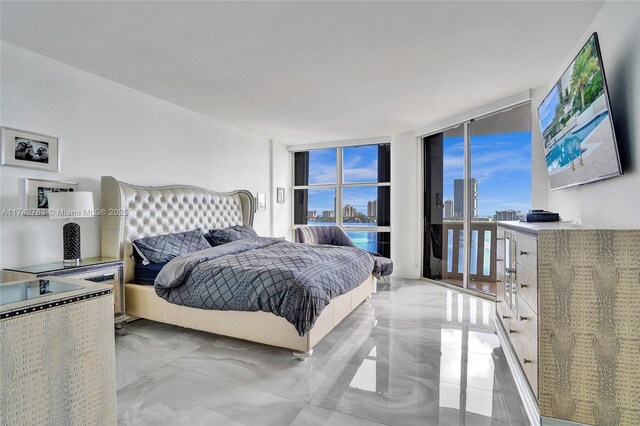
{"x": 613, "y": 202}
{"x": 281, "y": 177}
{"x": 109, "y": 129}
{"x": 406, "y": 207}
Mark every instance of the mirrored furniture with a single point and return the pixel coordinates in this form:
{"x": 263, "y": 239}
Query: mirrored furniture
{"x": 102, "y": 270}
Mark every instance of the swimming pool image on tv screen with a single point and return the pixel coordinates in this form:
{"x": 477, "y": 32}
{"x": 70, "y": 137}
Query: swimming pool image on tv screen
{"x": 576, "y": 124}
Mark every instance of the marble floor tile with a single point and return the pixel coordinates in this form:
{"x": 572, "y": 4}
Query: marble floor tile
{"x": 316, "y": 416}
{"x": 163, "y": 343}
{"x": 413, "y": 353}
{"x": 173, "y": 396}
{"x": 260, "y": 367}
{"x": 380, "y": 395}
{"x": 131, "y": 367}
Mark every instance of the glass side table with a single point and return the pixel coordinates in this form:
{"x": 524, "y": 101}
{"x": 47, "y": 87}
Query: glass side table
{"x": 101, "y": 270}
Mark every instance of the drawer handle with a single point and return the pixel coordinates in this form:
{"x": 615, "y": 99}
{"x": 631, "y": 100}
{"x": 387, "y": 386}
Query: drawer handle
{"x": 506, "y": 317}
{"x": 511, "y": 331}
{"x": 511, "y": 270}
{"x": 498, "y": 281}
{"x": 102, "y": 278}
{"x": 499, "y": 260}
{"x": 527, "y": 361}
{"x": 523, "y": 286}
{"x": 524, "y": 318}
{"x": 523, "y": 253}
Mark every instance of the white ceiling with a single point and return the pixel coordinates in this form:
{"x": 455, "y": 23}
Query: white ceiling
{"x": 301, "y": 72}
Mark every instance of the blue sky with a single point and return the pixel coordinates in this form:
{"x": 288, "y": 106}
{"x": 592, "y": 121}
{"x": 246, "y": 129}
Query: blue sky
{"x": 360, "y": 164}
{"x": 502, "y": 165}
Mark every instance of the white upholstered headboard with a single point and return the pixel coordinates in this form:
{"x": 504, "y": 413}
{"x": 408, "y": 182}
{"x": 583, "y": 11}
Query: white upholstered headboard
{"x": 132, "y": 211}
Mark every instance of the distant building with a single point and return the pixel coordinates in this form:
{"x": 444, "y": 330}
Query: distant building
{"x": 448, "y": 209}
{"x": 349, "y": 211}
{"x": 507, "y": 215}
{"x": 328, "y": 214}
{"x": 312, "y": 214}
{"x": 458, "y": 197}
{"x": 482, "y": 219}
{"x": 372, "y": 208}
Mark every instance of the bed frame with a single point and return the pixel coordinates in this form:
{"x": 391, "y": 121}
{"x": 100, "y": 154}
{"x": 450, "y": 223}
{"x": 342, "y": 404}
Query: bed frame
{"x": 132, "y": 212}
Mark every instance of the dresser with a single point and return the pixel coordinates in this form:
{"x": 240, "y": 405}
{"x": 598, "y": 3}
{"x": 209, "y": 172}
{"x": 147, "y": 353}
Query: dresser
{"x": 57, "y": 353}
{"x": 567, "y": 308}
{"x": 95, "y": 269}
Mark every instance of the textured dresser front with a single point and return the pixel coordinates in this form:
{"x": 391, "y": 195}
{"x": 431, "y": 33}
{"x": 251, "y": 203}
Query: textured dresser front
{"x": 57, "y": 364}
{"x": 589, "y": 283}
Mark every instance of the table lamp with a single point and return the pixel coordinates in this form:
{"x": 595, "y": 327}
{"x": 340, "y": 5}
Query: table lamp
{"x": 70, "y": 205}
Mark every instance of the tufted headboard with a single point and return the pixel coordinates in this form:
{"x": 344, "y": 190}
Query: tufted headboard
{"x": 130, "y": 212}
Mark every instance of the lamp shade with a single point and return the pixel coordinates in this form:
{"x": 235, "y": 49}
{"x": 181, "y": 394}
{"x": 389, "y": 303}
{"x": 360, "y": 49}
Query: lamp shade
{"x": 65, "y": 205}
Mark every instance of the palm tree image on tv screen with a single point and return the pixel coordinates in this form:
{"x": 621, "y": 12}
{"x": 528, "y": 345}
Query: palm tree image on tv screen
{"x": 576, "y": 125}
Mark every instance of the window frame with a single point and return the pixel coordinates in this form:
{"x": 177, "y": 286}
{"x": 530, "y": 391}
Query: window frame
{"x": 338, "y": 187}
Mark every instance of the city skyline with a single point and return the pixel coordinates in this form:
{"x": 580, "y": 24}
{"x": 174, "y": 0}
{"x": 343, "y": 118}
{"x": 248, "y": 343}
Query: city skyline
{"x": 502, "y": 165}
{"x": 348, "y": 211}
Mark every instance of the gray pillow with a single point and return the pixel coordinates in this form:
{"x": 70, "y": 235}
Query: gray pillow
{"x": 163, "y": 248}
{"x": 218, "y": 237}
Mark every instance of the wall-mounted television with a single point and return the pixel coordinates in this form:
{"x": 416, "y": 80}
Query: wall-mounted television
{"x": 576, "y": 123}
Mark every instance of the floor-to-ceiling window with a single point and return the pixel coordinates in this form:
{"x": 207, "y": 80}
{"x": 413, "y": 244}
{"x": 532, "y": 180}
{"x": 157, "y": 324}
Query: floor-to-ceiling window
{"x": 476, "y": 173}
{"x": 349, "y": 187}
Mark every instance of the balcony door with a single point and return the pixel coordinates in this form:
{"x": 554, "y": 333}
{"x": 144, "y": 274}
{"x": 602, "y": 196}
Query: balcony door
{"x": 475, "y": 174}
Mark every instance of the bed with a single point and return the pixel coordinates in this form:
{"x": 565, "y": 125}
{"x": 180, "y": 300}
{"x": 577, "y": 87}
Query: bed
{"x": 132, "y": 212}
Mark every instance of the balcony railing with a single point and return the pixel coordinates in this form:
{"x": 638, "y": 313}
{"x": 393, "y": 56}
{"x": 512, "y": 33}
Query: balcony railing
{"x": 482, "y": 258}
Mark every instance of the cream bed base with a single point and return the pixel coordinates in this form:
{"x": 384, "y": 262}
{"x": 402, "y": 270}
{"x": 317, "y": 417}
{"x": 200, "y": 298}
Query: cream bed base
{"x": 133, "y": 212}
{"x": 261, "y": 327}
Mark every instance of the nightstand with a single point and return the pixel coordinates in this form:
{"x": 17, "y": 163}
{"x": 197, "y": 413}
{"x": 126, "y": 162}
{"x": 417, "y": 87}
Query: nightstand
{"x": 97, "y": 269}
{"x": 57, "y": 357}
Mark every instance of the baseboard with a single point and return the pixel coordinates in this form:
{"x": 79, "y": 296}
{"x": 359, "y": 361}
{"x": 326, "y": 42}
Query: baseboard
{"x": 548, "y": 421}
{"x": 522, "y": 384}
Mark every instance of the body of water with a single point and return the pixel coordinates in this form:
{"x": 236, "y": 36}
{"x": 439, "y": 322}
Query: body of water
{"x": 365, "y": 240}
{"x": 569, "y": 147}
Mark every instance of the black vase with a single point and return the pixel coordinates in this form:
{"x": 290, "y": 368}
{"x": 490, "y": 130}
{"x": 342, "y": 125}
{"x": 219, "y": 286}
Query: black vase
{"x": 71, "y": 243}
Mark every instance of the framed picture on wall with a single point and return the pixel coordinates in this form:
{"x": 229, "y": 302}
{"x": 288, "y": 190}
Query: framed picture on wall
{"x": 27, "y": 149}
{"x": 36, "y": 192}
{"x": 280, "y": 195}
{"x": 261, "y": 202}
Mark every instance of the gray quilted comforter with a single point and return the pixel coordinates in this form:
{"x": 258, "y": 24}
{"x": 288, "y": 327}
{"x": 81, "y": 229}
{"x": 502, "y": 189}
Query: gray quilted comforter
{"x": 292, "y": 280}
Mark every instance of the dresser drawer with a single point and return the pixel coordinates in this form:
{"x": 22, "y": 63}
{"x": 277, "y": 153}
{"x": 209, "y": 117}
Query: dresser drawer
{"x": 527, "y": 288}
{"x": 503, "y": 312}
{"x": 527, "y": 254}
{"x": 524, "y": 339}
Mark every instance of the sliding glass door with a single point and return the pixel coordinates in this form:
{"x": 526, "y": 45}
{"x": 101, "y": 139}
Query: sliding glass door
{"x": 474, "y": 175}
